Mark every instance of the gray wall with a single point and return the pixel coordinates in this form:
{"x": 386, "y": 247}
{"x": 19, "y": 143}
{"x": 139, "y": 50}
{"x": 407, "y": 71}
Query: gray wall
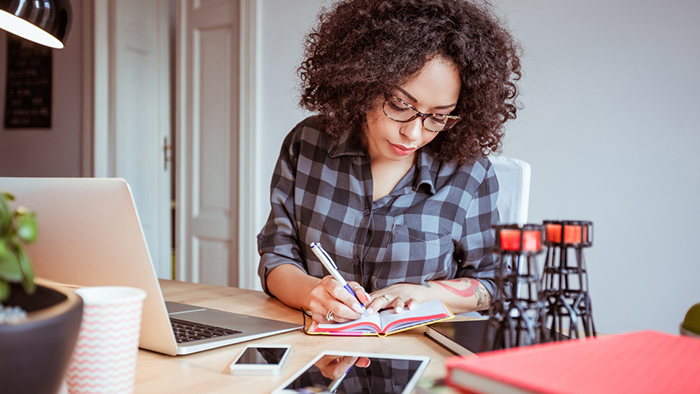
{"x": 610, "y": 124}
{"x": 55, "y": 151}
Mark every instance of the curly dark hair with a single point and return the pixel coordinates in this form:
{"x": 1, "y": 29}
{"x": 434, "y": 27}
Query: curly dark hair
{"x": 361, "y": 49}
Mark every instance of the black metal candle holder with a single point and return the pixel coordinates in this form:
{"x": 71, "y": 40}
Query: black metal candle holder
{"x": 565, "y": 282}
{"x": 517, "y": 312}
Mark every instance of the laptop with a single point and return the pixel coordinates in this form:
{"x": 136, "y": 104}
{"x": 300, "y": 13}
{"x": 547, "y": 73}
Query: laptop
{"x": 90, "y": 235}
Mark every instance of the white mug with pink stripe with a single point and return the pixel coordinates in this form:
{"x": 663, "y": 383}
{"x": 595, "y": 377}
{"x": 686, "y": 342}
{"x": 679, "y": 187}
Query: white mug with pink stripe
{"x": 104, "y": 360}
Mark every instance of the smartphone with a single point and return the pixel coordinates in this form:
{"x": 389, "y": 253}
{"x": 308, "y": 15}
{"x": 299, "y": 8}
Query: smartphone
{"x": 261, "y": 360}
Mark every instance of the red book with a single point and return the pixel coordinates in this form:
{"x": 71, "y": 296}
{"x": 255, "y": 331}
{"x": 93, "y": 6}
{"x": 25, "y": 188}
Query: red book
{"x": 640, "y": 362}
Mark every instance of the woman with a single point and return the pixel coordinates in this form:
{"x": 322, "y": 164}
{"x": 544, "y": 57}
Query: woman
{"x": 391, "y": 175}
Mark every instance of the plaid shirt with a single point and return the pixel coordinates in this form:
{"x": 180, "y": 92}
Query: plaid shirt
{"x": 435, "y": 224}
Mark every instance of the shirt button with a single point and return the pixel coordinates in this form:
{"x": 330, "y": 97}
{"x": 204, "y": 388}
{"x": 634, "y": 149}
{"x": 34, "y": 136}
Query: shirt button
{"x": 366, "y": 212}
{"x": 356, "y": 260}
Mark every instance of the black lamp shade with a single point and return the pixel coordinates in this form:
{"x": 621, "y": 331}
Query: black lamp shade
{"x": 46, "y": 22}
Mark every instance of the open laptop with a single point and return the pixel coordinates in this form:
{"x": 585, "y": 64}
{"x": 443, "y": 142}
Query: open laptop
{"x": 90, "y": 235}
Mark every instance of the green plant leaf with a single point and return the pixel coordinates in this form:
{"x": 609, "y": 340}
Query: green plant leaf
{"x": 10, "y": 268}
{"x": 5, "y": 214}
{"x": 4, "y": 290}
{"x": 27, "y": 228}
{"x": 25, "y": 264}
{"x": 4, "y": 248}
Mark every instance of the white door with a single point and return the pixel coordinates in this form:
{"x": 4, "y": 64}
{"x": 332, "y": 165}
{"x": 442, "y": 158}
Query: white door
{"x": 207, "y": 102}
{"x": 132, "y": 118}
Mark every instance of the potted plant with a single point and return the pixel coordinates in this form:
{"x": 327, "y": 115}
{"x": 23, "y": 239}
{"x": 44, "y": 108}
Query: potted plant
{"x": 36, "y": 344}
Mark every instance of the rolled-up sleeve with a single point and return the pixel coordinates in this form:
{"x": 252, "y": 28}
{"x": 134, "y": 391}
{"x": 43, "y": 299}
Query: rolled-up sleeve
{"x": 278, "y": 240}
{"x": 478, "y": 238}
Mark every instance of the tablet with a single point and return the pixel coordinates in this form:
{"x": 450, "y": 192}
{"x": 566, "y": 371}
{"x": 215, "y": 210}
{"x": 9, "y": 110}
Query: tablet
{"x": 352, "y": 372}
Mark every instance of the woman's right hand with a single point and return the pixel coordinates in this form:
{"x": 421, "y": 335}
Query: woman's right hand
{"x": 329, "y": 295}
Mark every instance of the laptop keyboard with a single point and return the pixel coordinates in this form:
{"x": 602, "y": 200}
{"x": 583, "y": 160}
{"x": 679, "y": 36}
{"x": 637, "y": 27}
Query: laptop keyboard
{"x": 186, "y": 331}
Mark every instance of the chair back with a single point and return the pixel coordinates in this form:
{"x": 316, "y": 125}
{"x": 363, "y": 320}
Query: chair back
{"x": 514, "y": 189}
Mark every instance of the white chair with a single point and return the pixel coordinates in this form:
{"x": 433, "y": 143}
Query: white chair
{"x": 514, "y": 189}
{"x": 513, "y": 194}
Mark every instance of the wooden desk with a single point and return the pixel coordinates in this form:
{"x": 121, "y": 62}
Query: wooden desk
{"x": 207, "y": 372}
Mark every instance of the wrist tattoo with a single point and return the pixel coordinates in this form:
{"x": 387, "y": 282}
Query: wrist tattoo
{"x": 468, "y": 291}
{"x": 483, "y": 298}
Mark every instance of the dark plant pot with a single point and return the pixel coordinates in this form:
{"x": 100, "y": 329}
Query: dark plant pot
{"x": 34, "y": 354}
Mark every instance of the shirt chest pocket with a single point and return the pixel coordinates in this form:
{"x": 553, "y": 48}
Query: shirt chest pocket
{"x": 417, "y": 256}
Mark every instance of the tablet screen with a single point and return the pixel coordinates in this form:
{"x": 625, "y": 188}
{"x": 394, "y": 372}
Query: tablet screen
{"x": 345, "y": 372}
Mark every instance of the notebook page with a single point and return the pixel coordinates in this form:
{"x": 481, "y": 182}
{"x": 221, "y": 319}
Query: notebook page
{"x": 424, "y": 312}
{"x": 369, "y": 324}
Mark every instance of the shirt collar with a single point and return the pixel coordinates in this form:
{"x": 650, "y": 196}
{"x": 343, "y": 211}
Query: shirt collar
{"x": 344, "y": 147}
{"x": 426, "y": 169}
{"x": 426, "y": 165}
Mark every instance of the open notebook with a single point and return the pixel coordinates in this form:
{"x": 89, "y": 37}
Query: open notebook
{"x": 90, "y": 235}
{"x": 387, "y": 322}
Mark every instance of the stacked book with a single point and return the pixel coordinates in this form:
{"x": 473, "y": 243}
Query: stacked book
{"x": 640, "y": 362}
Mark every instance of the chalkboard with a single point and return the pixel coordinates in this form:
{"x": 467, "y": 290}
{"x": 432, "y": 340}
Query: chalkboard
{"x": 28, "y": 93}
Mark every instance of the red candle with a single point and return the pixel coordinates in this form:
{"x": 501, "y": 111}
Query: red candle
{"x": 510, "y": 240}
{"x": 572, "y": 233}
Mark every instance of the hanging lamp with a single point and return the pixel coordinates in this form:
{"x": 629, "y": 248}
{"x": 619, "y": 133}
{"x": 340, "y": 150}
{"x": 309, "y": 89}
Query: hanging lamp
{"x": 45, "y": 22}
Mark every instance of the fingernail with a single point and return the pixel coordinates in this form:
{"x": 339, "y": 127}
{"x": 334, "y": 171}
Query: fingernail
{"x": 399, "y": 309}
{"x": 357, "y": 307}
{"x": 370, "y": 311}
{"x": 411, "y": 306}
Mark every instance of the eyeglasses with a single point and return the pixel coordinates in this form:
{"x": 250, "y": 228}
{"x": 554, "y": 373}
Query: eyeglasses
{"x": 400, "y": 111}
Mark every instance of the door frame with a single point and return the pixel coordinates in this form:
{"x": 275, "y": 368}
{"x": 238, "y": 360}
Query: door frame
{"x": 87, "y": 164}
{"x": 97, "y": 148}
{"x": 249, "y": 157}
{"x": 96, "y": 57}
{"x": 245, "y": 252}
{"x": 98, "y": 141}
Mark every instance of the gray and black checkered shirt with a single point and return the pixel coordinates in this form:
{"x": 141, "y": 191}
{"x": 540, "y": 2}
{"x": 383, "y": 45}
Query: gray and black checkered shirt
{"x": 435, "y": 224}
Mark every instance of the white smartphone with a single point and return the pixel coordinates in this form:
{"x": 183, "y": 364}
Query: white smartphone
{"x": 261, "y": 360}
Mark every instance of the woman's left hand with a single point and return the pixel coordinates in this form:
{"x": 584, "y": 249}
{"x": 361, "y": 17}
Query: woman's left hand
{"x": 397, "y": 297}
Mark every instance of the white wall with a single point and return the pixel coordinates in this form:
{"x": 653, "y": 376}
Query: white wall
{"x": 284, "y": 24}
{"x": 611, "y": 129}
{"x": 610, "y": 126}
{"x": 55, "y": 151}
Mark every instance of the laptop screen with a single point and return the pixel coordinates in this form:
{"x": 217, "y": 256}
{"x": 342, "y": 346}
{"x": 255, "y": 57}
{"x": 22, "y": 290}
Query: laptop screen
{"x": 90, "y": 235}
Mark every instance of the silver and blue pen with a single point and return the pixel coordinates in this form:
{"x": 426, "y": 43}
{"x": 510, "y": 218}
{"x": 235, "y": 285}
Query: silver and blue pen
{"x": 327, "y": 262}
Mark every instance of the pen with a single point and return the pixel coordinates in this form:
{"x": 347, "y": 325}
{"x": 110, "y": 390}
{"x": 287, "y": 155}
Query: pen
{"x": 333, "y": 269}
{"x": 335, "y": 383}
